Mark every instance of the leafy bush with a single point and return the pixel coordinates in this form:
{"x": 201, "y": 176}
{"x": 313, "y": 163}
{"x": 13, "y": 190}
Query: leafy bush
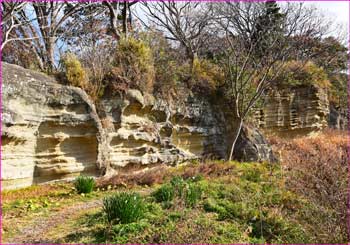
{"x": 193, "y": 195}
{"x": 295, "y": 73}
{"x": 74, "y": 71}
{"x": 165, "y": 193}
{"x": 206, "y": 75}
{"x": 133, "y": 66}
{"x": 84, "y": 184}
{"x": 123, "y": 207}
{"x": 317, "y": 168}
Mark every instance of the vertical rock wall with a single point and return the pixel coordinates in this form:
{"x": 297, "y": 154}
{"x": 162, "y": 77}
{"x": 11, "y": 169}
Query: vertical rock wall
{"x": 294, "y": 111}
{"x": 52, "y": 132}
{"x": 143, "y": 131}
{"x": 48, "y": 132}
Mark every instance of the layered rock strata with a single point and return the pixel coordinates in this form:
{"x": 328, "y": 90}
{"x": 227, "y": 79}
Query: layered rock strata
{"x": 48, "y": 131}
{"x": 294, "y": 111}
{"x": 144, "y": 131}
{"x": 52, "y": 132}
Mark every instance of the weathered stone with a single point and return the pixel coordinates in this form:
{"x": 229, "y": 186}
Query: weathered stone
{"x": 337, "y": 119}
{"x": 143, "y": 130}
{"x": 49, "y": 131}
{"x": 251, "y": 146}
{"x": 294, "y": 111}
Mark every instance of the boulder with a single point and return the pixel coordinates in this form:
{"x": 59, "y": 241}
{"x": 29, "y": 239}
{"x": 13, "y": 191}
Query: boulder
{"x": 337, "y": 119}
{"x": 251, "y": 146}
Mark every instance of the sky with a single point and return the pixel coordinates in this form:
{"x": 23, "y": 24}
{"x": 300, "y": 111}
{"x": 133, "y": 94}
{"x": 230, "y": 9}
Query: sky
{"x": 338, "y": 10}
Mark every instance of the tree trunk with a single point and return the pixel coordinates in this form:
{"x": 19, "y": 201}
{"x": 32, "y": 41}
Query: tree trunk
{"x": 50, "y": 52}
{"x": 125, "y": 19}
{"x": 238, "y": 131}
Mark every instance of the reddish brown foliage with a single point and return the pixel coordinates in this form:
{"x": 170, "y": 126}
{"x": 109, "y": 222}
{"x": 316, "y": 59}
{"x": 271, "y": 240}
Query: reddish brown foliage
{"x": 161, "y": 174}
{"x": 317, "y": 167}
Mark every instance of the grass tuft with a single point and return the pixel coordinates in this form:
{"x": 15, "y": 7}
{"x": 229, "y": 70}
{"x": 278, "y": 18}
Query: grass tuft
{"x": 123, "y": 207}
{"x": 84, "y": 184}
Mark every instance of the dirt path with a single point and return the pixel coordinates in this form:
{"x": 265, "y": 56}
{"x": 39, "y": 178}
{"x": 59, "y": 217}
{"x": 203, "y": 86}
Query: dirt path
{"x": 34, "y": 232}
{"x": 38, "y": 229}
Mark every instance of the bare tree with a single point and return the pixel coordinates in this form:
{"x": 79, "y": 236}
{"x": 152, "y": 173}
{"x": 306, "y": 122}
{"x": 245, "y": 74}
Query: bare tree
{"x": 38, "y": 27}
{"x": 184, "y": 22}
{"x": 120, "y": 10}
{"x": 9, "y": 20}
{"x": 258, "y": 35}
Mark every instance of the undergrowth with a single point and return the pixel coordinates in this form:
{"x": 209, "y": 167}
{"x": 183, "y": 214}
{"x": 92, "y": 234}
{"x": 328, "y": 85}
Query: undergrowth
{"x": 84, "y": 184}
{"x": 302, "y": 200}
{"x": 317, "y": 168}
{"x": 123, "y": 208}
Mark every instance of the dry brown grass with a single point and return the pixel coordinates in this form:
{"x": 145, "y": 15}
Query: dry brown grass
{"x": 157, "y": 175}
{"x": 318, "y": 169}
{"x": 36, "y": 191}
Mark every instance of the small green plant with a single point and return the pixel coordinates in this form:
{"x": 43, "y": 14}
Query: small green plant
{"x": 134, "y": 64}
{"x": 165, "y": 193}
{"x": 193, "y": 194}
{"x": 74, "y": 71}
{"x": 181, "y": 191}
{"x": 84, "y": 184}
{"x": 178, "y": 184}
{"x": 123, "y": 207}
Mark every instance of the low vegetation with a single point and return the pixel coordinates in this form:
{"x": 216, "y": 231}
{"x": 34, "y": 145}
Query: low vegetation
{"x": 84, "y": 184}
{"x": 297, "y": 73}
{"x": 123, "y": 208}
{"x": 302, "y": 200}
{"x": 317, "y": 168}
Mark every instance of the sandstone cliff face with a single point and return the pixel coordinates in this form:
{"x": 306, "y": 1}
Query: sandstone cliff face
{"x": 294, "y": 111}
{"x": 51, "y": 132}
{"x": 48, "y": 131}
{"x": 143, "y": 131}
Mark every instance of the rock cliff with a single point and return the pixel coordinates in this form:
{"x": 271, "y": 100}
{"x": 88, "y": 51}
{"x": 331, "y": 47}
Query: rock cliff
{"x": 143, "y": 131}
{"x": 48, "y": 131}
{"x": 52, "y": 132}
{"x": 294, "y": 111}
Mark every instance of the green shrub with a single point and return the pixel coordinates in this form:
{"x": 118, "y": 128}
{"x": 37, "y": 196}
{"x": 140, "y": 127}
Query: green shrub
{"x": 123, "y": 207}
{"x": 179, "y": 184}
{"x": 84, "y": 184}
{"x": 165, "y": 193}
{"x": 205, "y": 75}
{"x": 134, "y": 65}
{"x": 74, "y": 71}
{"x": 193, "y": 195}
{"x": 295, "y": 73}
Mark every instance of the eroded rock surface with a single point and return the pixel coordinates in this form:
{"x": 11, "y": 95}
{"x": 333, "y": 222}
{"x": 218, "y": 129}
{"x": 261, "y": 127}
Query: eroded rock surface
{"x": 252, "y": 146}
{"x": 48, "y": 132}
{"x": 143, "y": 131}
{"x": 337, "y": 118}
{"x": 294, "y": 111}
{"x": 52, "y": 132}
